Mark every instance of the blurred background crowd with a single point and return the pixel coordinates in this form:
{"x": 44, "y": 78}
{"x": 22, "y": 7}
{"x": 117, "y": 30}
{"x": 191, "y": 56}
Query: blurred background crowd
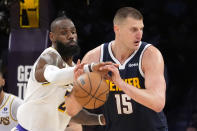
{"x": 170, "y": 25}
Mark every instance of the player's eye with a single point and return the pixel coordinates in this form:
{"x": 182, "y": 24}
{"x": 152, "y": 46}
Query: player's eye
{"x": 63, "y": 33}
{"x": 74, "y": 32}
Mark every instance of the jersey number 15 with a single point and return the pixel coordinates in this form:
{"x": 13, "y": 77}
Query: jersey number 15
{"x": 124, "y": 105}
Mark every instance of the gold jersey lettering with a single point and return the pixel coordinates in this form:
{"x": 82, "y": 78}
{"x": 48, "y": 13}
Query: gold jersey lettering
{"x": 131, "y": 81}
{"x": 4, "y": 120}
{"x": 112, "y": 86}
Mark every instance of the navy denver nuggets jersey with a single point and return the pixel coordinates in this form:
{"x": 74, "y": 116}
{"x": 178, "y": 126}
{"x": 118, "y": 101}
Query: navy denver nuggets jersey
{"x": 121, "y": 112}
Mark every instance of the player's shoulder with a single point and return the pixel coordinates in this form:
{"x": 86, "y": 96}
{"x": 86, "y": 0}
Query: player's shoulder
{"x": 152, "y": 51}
{"x": 152, "y": 56}
{"x": 17, "y": 99}
{"x": 50, "y": 56}
{"x": 13, "y": 98}
{"x": 92, "y": 55}
{"x": 50, "y": 52}
{"x": 95, "y": 50}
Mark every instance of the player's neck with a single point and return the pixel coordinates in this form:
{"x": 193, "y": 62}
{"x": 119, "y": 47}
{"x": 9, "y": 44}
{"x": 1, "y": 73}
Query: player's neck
{"x": 69, "y": 61}
{"x": 120, "y": 52}
{"x": 1, "y": 97}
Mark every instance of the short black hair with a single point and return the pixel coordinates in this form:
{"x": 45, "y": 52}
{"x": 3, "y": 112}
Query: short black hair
{"x": 125, "y": 12}
{"x": 53, "y": 23}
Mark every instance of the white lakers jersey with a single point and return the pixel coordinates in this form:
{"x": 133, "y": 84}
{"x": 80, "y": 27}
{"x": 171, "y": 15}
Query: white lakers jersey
{"x": 8, "y": 110}
{"x": 43, "y": 108}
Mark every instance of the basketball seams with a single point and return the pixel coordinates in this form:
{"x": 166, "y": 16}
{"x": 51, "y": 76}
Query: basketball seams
{"x": 93, "y": 96}
{"x": 90, "y": 82}
{"x": 84, "y": 97}
{"x": 97, "y": 97}
{"x": 102, "y": 94}
{"x": 82, "y": 89}
{"x": 89, "y": 94}
{"x": 95, "y": 91}
{"x": 90, "y": 89}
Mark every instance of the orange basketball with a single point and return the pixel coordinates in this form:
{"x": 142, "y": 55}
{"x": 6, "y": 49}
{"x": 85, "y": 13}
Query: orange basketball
{"x": 91, "y": 90}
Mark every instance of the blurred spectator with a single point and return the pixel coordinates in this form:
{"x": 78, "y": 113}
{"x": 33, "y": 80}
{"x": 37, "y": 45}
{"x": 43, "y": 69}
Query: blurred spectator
{"x": 8, "y": 105}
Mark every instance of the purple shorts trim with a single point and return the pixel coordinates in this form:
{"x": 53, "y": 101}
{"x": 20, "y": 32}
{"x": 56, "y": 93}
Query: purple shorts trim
{"x": 20, "y": 128}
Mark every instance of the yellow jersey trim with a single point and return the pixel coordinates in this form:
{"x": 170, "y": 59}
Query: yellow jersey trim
{"x": 5, "y": 103}
{"x": 11, "y": 110}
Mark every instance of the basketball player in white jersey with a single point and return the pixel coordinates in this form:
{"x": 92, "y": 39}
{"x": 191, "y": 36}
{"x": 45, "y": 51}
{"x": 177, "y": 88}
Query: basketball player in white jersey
{"x": 8, "y": 108}
{"x": 47, "y": 105}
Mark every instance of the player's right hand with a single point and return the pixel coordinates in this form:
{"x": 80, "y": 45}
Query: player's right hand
{"x": 115, "y": 75}
{"x": 78, "y": 69}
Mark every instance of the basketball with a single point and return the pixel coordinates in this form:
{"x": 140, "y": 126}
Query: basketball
{"x": 91, "y": 90}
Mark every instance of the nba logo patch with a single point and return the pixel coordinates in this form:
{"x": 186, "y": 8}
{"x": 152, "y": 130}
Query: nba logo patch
{"x": 5, "y": 108}
{"x": 82, "y": 81}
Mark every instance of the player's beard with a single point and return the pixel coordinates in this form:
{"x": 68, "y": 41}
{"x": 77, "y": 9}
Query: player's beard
{"x": 67, "y": 50}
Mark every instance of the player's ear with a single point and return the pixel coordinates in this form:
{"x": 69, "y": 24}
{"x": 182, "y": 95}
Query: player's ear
{"x": 116, "y": 28}
{"x": 52, "y": 37}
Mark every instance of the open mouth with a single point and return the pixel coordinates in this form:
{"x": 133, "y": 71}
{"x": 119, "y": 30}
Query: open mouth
{"x": 137, "y": 43}
{"x": 72, "y": 43}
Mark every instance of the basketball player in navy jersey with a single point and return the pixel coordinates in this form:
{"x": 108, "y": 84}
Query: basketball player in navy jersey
{"x": 137, "y": 86}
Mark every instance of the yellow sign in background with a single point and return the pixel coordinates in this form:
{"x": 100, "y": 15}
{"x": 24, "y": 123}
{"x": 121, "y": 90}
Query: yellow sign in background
{"x": 29, "y": 14}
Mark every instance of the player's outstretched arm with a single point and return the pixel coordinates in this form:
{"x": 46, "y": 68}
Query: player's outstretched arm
{"x": 86, "y": 118}
{"x": 72, "y": 106}
{"x": 93, "y": 58}
{"x": 80, "y": 115}
{"x": 50, "y": 69}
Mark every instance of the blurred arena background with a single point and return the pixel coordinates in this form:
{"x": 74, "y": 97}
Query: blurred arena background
{"x": 169, "y": 24}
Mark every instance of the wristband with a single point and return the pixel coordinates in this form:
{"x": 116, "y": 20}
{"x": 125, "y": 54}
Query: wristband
{"x": 91, "y": 66}
{"x": 88, "y": 67}
{"x": 99, "y": 119}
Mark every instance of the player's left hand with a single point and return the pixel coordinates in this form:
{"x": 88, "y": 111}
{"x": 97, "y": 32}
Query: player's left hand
{"x": 114, "y": 76}
{"x": 104, "y": 72}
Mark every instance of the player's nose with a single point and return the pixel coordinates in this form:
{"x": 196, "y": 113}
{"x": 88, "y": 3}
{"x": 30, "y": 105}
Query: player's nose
{"x": 70, "y": 36}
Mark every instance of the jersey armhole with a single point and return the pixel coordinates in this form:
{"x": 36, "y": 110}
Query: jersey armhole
{"x": 140, "y": 61}
{"x": 11, "y": 109}
{"x": 102, "y": 50}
